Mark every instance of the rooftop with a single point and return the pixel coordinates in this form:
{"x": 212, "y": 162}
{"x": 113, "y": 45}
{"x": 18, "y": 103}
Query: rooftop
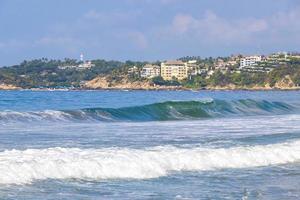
{"x": 150, "y": 66}
{"x": 174, "y": 62}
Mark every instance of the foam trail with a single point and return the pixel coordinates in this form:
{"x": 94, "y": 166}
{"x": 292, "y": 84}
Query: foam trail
{"x": 24, "y": 167}
{"x": 52, "y": 115}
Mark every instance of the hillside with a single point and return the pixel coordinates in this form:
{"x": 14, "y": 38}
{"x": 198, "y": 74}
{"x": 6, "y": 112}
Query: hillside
{"x": 44, "y": 74}
{"x": 105, "y": 82}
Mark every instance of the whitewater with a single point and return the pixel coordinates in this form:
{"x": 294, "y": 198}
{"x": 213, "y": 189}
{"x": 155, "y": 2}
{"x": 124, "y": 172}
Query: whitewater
{"x": 23, "y": 167}
{"x": 149, "y": 145}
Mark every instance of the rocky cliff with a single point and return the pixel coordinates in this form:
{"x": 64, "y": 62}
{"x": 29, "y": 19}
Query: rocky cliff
{"x": 8, "y": 87}
{"x": 124, "y": 83}
{"x": 285, "y": 83}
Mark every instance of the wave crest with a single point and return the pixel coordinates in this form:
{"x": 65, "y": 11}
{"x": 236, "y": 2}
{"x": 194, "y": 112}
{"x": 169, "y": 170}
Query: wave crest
{"x": 24, "y": 167}
{"x": 170, "y": 110}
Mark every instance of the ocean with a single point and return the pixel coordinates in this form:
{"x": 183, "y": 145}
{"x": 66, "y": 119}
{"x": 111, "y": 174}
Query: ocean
{"x": 149, "y": 145}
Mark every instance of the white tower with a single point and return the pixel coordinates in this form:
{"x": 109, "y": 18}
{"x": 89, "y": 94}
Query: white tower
{"x": 81, "y": 57}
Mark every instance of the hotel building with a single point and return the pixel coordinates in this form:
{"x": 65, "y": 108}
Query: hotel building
{"x": 176, "y": 69}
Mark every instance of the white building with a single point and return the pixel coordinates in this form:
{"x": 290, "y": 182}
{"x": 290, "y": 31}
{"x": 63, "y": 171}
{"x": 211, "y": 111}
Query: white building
{"x": 67, "y": 67}
{"x": 193, "y": 68}
{"x": 250, "y": 64}
{"x": 150, "y": 71}
{"x": 133, "y": 70}
{"x": 86, "y": 65}
{"x": 249, "y": 61}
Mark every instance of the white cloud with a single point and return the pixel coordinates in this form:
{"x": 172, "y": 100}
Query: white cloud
{"x": 168, "y": 1}
{"x": 110, "y": 18}
{"x": 281, "y": 27}
{"x": 287, "y": 19}
{"x": 13, "y": 43}
{"x": 55, "y": 41}
{"x": 163, "y": 2}
{"x": 213, "y": 28}
{"x": 182, "y": 23}
{"x": 121, "y": 29}
{"x": 139, "y": 39}
{"x": 67, "y": 43}
{"x": 135, "y": 39}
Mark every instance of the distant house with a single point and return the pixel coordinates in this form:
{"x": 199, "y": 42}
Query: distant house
{"x": 294, "y": 55}
{"x": 220, "y": 64}
{"x": 67, "y": 67}
{"x": 133, "y": 70}
{"x": 249, "y": 61}
{"x": 231, "y": 63}
{"x": 150, "y": 71}
{"x": 193, "y": 68}
{"x": 84, "y": 65}
{"x": 176, "y": 69}
{"x": 255, "y": 64}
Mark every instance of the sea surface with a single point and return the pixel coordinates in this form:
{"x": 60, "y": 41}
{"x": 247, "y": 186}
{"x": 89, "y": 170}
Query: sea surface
{"x": 83, "y": 145}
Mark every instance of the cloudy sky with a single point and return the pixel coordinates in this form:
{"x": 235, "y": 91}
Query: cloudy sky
{"x": 145, "y": 29}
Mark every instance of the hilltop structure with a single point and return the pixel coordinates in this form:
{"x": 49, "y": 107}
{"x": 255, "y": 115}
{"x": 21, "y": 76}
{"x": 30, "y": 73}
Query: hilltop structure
{"x": 249, "y": 61}
{"x": 82, "y": 65}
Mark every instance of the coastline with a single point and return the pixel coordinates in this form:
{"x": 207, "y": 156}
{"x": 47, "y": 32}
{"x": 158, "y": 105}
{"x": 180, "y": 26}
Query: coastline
{"x": 217, "y": 88}
{"x": 101, "y": 84}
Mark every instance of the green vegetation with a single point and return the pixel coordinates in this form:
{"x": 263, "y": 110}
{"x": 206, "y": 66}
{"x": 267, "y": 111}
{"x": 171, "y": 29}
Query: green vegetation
{"x": 44, "y": 73}
{"x": 160, "y": 81}
{"x": 246, "y": 79}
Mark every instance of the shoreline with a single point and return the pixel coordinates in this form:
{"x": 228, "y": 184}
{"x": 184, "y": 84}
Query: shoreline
{"x": 153, "y": 89}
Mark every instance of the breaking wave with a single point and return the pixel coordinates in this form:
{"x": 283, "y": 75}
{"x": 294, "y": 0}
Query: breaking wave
{"x": 25, "y": 167}
{"x": 170, "y": 110}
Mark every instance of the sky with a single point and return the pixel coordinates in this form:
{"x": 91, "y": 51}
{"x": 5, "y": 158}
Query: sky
{"x": 145, "y": 30}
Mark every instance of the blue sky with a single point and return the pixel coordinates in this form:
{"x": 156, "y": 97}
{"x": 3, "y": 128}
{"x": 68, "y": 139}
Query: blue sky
{"x": 145, "y": 29}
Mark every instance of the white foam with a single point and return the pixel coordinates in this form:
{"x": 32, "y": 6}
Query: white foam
{"x": 24, "y": 167}
{"x": 34, "y": 116}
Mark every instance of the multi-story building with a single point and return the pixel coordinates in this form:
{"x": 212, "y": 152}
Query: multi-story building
{"x": 249, "y": 61}
{"x": 220, "y": 64}
{"x": 176, "y": 69}
{"x": 150, "y": 71}
{"x": 255, "y": 64}
{"x": 133, "y": 70}
{"x": 193, "y": 68}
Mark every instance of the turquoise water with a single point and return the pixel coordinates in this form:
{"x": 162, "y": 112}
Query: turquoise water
{"x": 149, "y": 145}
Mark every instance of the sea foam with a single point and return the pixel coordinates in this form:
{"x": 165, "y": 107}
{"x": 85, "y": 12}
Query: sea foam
{"x": 25, "y": 167}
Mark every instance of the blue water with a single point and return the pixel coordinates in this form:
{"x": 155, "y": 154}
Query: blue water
{"x": 149, "y": 145}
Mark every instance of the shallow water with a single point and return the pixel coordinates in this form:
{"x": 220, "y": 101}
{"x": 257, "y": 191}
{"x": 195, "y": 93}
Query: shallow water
{"x": 246, "y": 147}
